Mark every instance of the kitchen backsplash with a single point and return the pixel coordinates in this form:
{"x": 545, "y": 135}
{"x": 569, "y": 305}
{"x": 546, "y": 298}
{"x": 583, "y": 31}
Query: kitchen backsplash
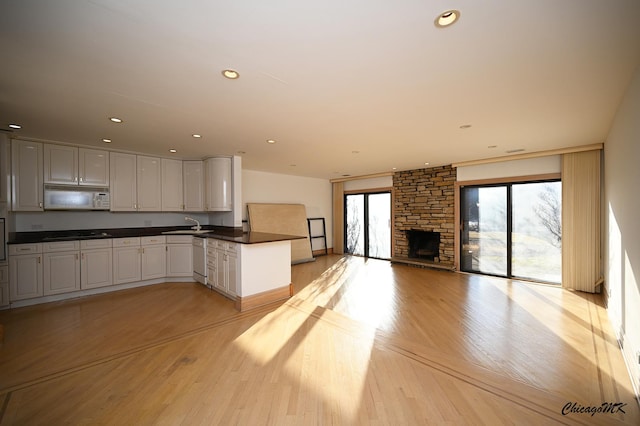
{"x": 62, "y": 220}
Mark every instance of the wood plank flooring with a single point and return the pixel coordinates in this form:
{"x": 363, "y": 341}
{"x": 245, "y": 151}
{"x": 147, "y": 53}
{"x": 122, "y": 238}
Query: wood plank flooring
{"x": 361, "y": 342}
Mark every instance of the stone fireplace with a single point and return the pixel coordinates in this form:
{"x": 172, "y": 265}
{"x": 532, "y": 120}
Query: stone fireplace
{"x": 424, "y": 209}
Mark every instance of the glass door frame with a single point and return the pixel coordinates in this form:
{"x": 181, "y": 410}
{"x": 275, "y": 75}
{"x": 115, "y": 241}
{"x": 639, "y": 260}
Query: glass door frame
{"x": 508, "y": 184}
{"x": 366, "y": 194}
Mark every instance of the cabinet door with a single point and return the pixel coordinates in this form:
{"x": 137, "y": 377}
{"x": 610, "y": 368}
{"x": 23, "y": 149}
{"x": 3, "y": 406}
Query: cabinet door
{"x": 149, "y": 184}
{"x": 26, "y": 188}
{"x": 96, "y": 268}
{"x": 61, "y": 272}
{"x": 93, "y": 165}
{"x": 232, "y": 274}
{"x": 5, "y": 168}
{"x": 154, "y": 262}
{"x": 126, "y": 264}
{"x": 4, "y": 285}
{"x": 179, "y": 260}
{"x": 60, "y": 164}
{"x": 218, "y": 184}
{"x": 220, "y": 271}
{"x": 4, "y": 294}
{"x": 193, "y": 181}
{"x": 25, "y": 277}
{"x": 123, "y": 192}
{"x": 172, "y": 199}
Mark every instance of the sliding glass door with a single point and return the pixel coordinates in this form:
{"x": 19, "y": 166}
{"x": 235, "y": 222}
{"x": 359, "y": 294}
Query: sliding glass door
{"x": 368, "y": 224}
{"x": 512, "y": 230}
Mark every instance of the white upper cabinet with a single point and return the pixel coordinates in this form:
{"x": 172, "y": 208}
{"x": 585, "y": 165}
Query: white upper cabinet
{"x": 193, "y": 182}
{"x": 135, "y": 183}
{"x": 172, "y": 200}
{"x": 218, "y": 190}
{"x": 70, "y": 165}
{"x": 5, "y": 168}
{"x": 123, "y": 188}
{"x": 149, "y": 184}
{"x": 60, "y": 164}
{"x": 93, "y": 167}
{"x": 26, "y": 183}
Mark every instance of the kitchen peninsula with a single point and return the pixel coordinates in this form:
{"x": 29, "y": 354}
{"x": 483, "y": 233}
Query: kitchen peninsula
{"x": 252, "y": 268}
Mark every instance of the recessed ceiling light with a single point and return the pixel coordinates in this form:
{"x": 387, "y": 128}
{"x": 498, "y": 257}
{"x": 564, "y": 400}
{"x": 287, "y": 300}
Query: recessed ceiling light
{"x": 241, "y": 152}
{"x": 105, "y": 140}
{"x": 271, "y": 141}
{"x": 195, "y": 135}
{"x": 230, "y": 74}
{"x": 447, "y": 18}
{"x": 116, "y": 119}
{"x": 426, "y": 164}
{"x": 394, "y": 168}
{"x": 173, "y": 150}
{"x": 465, "y": 126}
{"x": 292, "y": 165}
{"x": 355, "y": 152}
{"x": 492, "y": 146}
{"x": 15, "y": 126}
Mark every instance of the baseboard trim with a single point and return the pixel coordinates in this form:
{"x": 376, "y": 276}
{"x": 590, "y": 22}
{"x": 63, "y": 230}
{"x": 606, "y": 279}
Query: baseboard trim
{"x": 260, "y": 299}
{"x": 321, "y": 252}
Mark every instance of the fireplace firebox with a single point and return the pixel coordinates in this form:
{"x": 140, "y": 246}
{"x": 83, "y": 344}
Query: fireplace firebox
{"x": 424, "y": 245}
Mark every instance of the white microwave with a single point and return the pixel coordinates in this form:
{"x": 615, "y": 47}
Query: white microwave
{"x": 76, "y": 198}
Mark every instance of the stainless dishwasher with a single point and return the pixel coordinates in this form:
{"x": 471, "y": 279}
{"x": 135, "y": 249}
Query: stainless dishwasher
{"x": 200, "y": 260}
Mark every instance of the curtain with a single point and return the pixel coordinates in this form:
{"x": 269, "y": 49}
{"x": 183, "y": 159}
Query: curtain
{"x": 581, "y": 209}
{"x": 338, "y": 217}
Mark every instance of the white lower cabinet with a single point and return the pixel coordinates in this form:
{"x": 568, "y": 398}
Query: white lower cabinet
{"x": 25, "y": 271}
{"x": 96, "y": 263}
{"x": 127, "y": 260}
{"x": 226, "y": 267}
{"x": 4, "y": 285}
{"x": 153, "y": 262}
{"x": 179, "y": 256}
{"x": 61, "y": 273}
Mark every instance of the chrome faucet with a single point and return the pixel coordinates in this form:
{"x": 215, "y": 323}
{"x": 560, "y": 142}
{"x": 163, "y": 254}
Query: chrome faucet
{"x": 190, "y": 219}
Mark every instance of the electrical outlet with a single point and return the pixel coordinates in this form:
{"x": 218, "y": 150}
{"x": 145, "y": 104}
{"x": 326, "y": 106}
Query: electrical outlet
{"x": 147, "y": 223}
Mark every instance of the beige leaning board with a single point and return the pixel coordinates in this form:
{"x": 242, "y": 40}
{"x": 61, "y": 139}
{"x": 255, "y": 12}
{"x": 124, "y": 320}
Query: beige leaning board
{"x": 289, "y": 219}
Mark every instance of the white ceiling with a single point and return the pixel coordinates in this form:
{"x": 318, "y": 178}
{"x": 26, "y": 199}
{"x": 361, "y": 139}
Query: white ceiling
{"x": 324, "y": 79}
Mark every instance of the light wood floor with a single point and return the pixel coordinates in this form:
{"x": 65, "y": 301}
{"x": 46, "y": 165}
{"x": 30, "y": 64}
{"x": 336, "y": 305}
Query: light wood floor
{"x": 361, "y": 342}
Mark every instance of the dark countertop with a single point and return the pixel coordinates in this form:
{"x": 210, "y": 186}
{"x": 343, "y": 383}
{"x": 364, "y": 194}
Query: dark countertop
{"x": 252, "y": 237}
{"x": 222, "y": 233}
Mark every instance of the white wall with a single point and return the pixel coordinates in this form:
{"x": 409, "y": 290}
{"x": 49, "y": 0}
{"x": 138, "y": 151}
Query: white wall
{"x": 622, "y": 216}
{"x": 315, "y": 194}
{"x": 372, "y": 183}
{"x": 513, "y": 168}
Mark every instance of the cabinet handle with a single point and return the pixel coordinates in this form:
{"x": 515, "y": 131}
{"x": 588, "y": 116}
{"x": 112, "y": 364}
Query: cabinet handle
{"x": 39, "y": 259}
{"x": 40, "y": 204}
{"x": 24, "y": 249}
{"x": 77, "y": 257}
{"x": 82, "y": 256}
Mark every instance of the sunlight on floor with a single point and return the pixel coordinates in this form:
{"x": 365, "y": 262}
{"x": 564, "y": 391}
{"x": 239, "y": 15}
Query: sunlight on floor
{"x": 372, "y": 296}
{"x": 302, "y": 345}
